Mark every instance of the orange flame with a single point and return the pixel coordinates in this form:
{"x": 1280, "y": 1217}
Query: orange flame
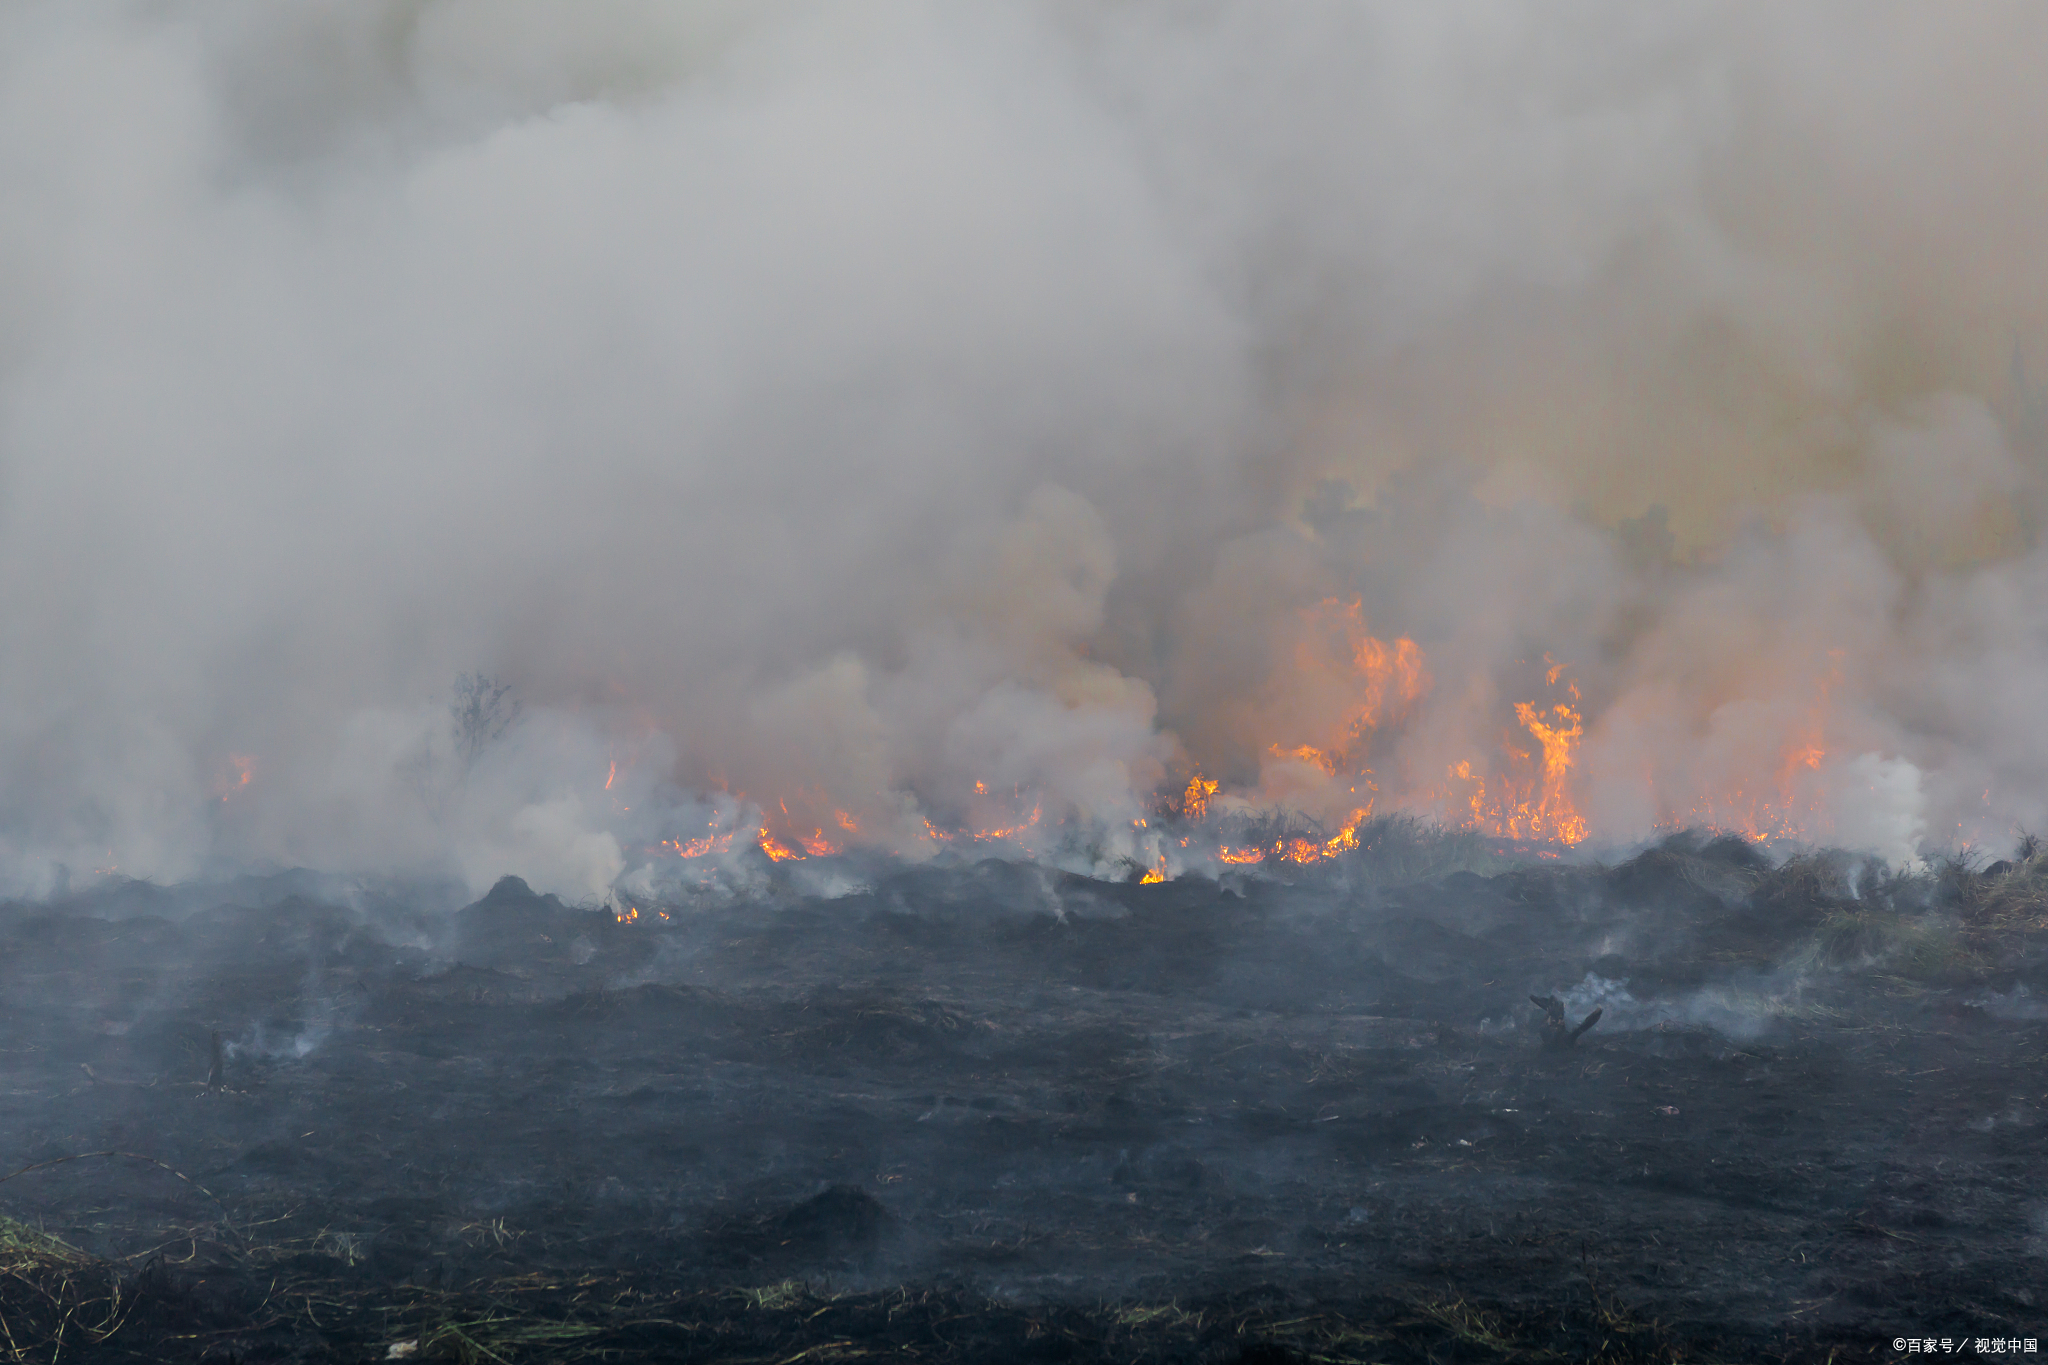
{"x": 244, "y": 766}
{"x": 1531, "y": 800}
{"x": 1790, "y": 810}
{"x": 816, "y": 844}
{"x": 1308, "y": 754}
{"x": 1317, "y": 731}
{"x": 1553, "y": 815}
{"x": 1346, "y": 839}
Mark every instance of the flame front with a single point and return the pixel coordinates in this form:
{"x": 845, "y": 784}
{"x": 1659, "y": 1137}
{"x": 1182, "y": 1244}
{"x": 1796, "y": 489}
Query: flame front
{"x": 1350, "y": 716}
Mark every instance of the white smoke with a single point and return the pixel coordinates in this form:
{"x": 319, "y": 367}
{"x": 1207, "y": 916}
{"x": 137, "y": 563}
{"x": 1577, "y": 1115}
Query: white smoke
{"x": 837, "y": 405}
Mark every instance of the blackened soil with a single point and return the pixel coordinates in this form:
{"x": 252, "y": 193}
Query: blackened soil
{"x": 991, "y": 1113}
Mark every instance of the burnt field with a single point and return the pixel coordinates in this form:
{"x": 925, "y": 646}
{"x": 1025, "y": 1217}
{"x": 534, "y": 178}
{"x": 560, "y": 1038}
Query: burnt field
{"x": 989, "y": 1113}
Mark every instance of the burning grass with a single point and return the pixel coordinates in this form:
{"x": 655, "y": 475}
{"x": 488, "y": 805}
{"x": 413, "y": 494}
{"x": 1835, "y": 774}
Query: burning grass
{"x": 1388, "y": 850}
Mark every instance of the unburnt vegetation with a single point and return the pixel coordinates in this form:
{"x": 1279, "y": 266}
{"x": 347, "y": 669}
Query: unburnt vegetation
{"x": 990, "y": 1112}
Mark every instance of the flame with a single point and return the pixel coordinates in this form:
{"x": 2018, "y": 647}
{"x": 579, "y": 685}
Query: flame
{"x": 1299, "y": 848}
{"x": 629, "y": 915}
{"x": 997, "y": 832}
{"x": 1531, "y": 798}
{"x": 1553, "y": 815}
{"x": 1346, "y": 839}
{"x": 610, "y": 776}
{"x": 1397, "y": 669}
{"x": 717, "y": 841}
{"x": 782, "y": 832}
{"x": 1347, "y": 685}
{"x": 1351, "y": 702}
{"x": 1792, "y": 808}
{"x": 243, "y": 772}
{"x": 1308, "y": 754}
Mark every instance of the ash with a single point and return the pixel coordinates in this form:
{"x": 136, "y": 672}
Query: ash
{"x": 991, "y": 1112}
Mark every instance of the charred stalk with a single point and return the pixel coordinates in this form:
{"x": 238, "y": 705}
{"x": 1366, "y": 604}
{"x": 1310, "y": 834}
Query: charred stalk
{"x": 1557, "y": 1035}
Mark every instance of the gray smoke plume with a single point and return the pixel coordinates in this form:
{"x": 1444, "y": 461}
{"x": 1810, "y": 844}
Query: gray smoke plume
{"x": 826, "y": 408}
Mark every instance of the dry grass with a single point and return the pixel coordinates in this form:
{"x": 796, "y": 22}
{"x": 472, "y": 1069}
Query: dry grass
{"x": 54, "y": 1297}
{"x": 2008, "y": 904}
{"x": 1811, "y": 882}
{"x": 1917, "y": 947}
{"x": 1471, "y": 1326}
{"x": 498, "y": 1338}
{"x": 25, "y": 1250}
{"x": 1397, "y": 849}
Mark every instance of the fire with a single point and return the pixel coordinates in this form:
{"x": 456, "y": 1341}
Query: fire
{"x": 1300, "y": 848}
{"x": 784, "y": 834}
{"x": 716, "y": 841}
{"x": 1347, "y": 686}
{"x": 997, "y": 820}
{"x": 1395, "y": 670}
{"x": 1012, "y": 831}
{"x": 242, "y": 771}
{"x": 1530, "y": 797}
{"x": 1354, "y": 701}
{"x": 1552, "y": 815}
{"x": 1306, "y": 754}
{"x": 1791, "y": 808}
{"x": 1346, "y": 839}
{"x": 816, "y": 844}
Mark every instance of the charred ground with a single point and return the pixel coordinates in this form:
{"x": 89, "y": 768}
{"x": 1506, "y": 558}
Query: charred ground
{"x": 991, "y": 1112}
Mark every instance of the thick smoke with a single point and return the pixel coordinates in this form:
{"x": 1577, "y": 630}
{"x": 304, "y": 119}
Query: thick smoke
{"x": 837, "y": 406}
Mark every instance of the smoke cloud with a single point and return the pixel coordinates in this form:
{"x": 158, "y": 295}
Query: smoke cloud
{"x": 827, "y": 408}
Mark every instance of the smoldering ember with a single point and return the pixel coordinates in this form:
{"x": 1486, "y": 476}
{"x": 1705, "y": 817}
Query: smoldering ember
{"x": 814, "y": 680}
